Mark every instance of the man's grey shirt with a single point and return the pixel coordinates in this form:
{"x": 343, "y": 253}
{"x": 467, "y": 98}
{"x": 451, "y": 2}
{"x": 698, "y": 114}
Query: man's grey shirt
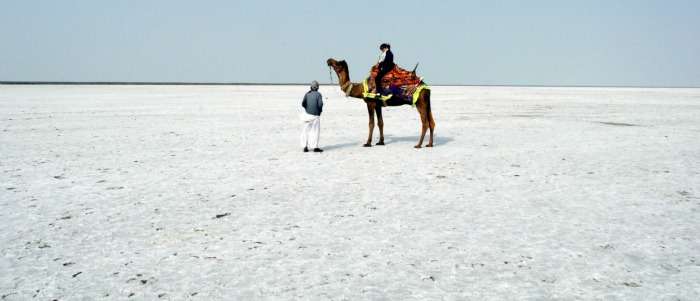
{"x": 313, "y": 103}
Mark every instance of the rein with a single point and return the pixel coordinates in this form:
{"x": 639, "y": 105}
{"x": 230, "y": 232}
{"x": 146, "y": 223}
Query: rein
{"x": 330, "y": 74}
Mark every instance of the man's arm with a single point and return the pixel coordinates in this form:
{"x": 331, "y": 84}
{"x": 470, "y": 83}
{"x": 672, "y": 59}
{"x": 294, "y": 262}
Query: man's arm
{"x": 320, "y": 102}
{"x": 303, "y": 102}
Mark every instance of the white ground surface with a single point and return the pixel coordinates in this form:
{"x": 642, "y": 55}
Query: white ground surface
{"x": 112, "y": 192}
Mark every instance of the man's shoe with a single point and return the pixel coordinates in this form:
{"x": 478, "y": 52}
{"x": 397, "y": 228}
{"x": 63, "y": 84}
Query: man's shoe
{"x": 306, "y": 149}
{"x": 318, "y": 150}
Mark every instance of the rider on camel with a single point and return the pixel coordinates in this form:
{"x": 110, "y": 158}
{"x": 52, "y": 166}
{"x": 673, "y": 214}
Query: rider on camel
{"x": 386, "y": 64}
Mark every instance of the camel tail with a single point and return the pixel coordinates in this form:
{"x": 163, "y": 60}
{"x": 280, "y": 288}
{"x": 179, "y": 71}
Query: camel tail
{"x": 427, "y": 95}
{"x": 429, "y": 109}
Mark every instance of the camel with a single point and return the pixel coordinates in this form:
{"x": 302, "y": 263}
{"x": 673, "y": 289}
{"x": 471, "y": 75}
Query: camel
{"x": 374, "y": 106}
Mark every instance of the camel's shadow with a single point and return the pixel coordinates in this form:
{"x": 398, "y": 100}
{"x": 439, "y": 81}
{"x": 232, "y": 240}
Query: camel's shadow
{"x": 341, "y": 145}
{"x": 389, "y": 139}
{"x": 437, "y": 140}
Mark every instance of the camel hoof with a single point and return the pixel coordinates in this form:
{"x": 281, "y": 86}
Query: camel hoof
{"x": 417, "y": 146}
{"x": 429, "y": 145}
{"x": 367, "y": 145}
{"x": 380, "y": 143}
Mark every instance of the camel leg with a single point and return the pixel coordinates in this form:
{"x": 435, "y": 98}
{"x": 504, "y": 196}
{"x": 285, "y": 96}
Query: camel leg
{"x": 380, "y": 123}
{"x": 370, "y": 111}
{"x": 431, "y": 124}
{"x": 422, "y": 110}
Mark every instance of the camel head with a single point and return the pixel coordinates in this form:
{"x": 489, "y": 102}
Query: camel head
{"x": 338, "y": 66}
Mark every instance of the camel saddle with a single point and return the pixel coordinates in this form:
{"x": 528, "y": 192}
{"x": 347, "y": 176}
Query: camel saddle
{"x": 398, "y": 83}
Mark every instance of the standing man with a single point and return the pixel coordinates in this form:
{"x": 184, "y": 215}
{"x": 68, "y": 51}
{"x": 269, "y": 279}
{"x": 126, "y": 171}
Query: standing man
{"x": 386, "y": 63}
{"x": 313, "y": 104}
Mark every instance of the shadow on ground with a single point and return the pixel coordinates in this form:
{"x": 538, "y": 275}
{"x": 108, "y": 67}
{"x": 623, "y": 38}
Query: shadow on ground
{"x": 341, "y": 145}
{"x": 389, "y": 139}
{"x": 437, "y": 140}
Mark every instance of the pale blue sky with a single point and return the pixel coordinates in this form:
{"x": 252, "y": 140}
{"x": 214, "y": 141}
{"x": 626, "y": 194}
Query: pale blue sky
{"x": 630, "y": 43}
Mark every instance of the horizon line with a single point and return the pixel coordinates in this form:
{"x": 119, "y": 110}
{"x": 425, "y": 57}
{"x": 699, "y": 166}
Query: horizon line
{"x": 146, "y": 83}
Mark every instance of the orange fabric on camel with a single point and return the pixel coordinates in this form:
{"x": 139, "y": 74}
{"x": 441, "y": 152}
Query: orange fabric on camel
{"x": 396, "y": 77}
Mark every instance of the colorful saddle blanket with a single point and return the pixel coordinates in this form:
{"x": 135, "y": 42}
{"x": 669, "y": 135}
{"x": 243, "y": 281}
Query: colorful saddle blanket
{"x": 399, "y": 83}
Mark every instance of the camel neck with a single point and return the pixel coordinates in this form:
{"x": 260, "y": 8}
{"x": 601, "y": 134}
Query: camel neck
{"x": 350, "y": 89}
{"x": 343, "y": 78}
